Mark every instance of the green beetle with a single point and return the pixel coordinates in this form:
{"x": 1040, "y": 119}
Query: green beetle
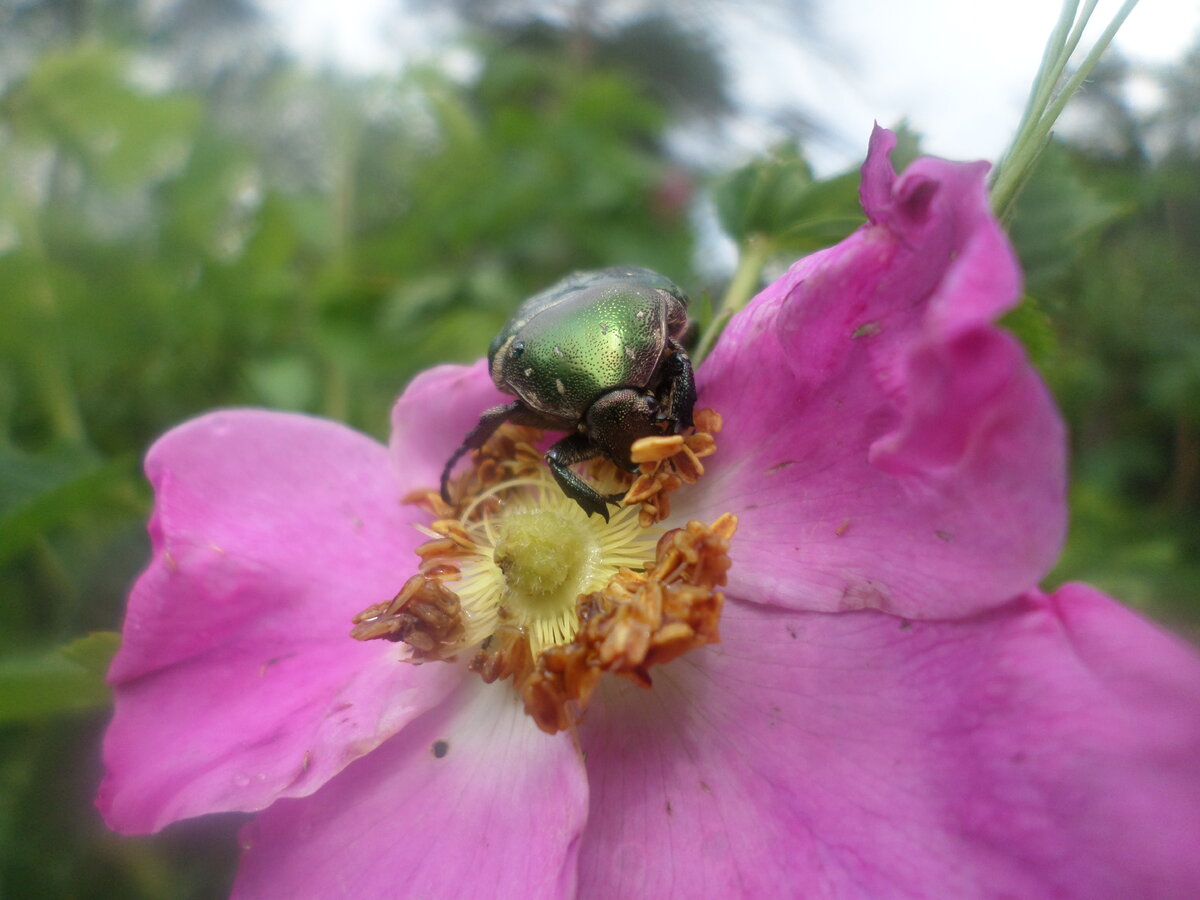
{"x": 597, "y": 355}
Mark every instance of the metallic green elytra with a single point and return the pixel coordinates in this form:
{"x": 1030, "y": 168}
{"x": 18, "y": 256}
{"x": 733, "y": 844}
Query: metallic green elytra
{"x": 597, "y": 355}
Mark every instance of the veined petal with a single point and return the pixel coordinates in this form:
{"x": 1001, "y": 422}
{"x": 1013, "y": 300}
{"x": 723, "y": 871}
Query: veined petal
{"x": 470, "y": 800}
{"x": 237, "y": 681}
{"x": 1045, "y": 748}
{"x": 897, "y": 450}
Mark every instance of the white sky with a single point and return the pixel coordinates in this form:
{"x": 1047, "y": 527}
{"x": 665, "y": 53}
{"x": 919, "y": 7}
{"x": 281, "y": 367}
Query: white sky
{"x": 959, "y": 70}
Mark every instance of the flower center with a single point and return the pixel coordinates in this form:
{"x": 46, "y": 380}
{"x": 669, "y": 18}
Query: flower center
{"x": 541, "y": 556}
{"x": 553, "y": 597}
{"x": 527, "y": 551}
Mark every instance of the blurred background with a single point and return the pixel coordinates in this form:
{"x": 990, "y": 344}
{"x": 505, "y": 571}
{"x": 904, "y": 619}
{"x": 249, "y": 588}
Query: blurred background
{"x": 299, "y": 205}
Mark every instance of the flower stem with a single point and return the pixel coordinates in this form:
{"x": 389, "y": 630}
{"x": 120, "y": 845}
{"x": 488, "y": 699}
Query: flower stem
{"x": 52, "y": 379}
{"x": 752, "y": 258}
{"x": 1045, "y": 104}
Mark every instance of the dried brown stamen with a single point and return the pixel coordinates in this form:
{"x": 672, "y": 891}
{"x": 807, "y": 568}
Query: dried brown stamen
{"x": 426, "y": 615}
{"x": 505, "y": 654}
{"x": 550, "y": 597}
{"x": 666, "y": 462}
{"x": 637, "y": 621}
{"x": 510, "y": 453}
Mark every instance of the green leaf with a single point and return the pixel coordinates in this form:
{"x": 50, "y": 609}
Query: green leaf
{"x": 94, "y": 652}
{"x": 61, "y": 680}
{"x": 284, "y": 381}
{"x": 777, "y": 198}
{"x": 1033, "y": 329}
{"x": 38, "y": 492}
{"x": 83, "y": 101}
{"x": 1055, "y": 215}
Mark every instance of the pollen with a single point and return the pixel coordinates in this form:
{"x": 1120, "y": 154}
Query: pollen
{"x": 521, "y": 553}
{"x": 666, "y": 463}
{"x": 519, "y": 581}
{"x": 638, "y": 620}
{"x": 425, "y": 615}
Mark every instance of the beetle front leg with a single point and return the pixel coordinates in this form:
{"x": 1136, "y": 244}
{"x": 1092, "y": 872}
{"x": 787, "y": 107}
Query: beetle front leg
{"x": 681, "y": 387}
{"x": 563, "y": 454}
{"x": 488, "y": 423}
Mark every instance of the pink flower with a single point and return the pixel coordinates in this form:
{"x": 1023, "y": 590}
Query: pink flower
{"x": 894, "y": 708}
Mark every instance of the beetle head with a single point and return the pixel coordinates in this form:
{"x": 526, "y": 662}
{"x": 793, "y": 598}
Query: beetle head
{"x": 619, "y": 418}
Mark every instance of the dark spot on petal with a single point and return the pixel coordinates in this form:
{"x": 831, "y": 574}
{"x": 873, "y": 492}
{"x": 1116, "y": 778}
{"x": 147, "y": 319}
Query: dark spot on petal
{"x": 792, "y": 632}
{"x": 1018, "y": 757}
{"x": 867, "y": 329}
{"x": 669, "y": 810}
{"x": 704, "y": 787}
{"x": 905, "y": 624}
{"x": 865, "y": 595}
{"x": 441, "y": 748}
{"x": 782, "y": 465}
{"x": 750, "y": 506}
{"x": 943, "y": 536}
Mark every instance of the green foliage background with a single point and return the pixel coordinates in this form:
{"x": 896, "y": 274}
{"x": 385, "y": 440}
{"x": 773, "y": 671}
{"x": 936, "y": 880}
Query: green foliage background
{"x": 188, "y": 220}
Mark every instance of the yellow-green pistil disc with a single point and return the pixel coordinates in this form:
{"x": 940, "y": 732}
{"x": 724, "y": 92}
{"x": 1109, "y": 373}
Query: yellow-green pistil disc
{"x": 534, "y": 557}
{"x": 540, "y": 554}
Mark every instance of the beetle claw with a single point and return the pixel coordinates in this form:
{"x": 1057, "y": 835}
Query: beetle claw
{"x": 593, "y": 503}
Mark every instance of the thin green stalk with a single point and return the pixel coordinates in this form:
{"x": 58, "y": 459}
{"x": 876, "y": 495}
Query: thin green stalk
{"x": 1049, "y": 70}
{"x": 52, "y": 381}
{"x": 51, "y": 371}
{"x": 338, "y": 380}
{"x": 1077, "y": 34}
{"x": 1085, "y": 69}
{"x": 1045, "y": 104}
{"x": 751, "y": 260}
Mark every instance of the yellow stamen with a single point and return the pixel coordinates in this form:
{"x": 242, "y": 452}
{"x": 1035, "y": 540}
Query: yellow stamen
{"x": 550, "y": 596}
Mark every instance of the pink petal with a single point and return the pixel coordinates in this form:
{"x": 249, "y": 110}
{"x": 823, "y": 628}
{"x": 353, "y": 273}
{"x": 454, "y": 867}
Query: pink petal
{"x": 885, "y": 445}
{"x": 237, "y": 681}
{"x": 469, "y": 801}
{"x": 1045, "y": 748}
{"x": 432, "y": 417}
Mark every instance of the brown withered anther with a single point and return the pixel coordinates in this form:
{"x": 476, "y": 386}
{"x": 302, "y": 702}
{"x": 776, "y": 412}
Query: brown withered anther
{"x": 666, "y": 462}
{"x": 504, "y": 654}
{"x": 637, "y": 621}
{"x": 509, "y": 453}
{"x": 425, "y": 615}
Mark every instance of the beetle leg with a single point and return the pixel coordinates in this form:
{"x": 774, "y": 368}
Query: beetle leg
{"x": 565, "y": 453}
{"x": 617, "y": 419}
{"x": 488, "y": 423}
{"x": 681, "y": 387}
